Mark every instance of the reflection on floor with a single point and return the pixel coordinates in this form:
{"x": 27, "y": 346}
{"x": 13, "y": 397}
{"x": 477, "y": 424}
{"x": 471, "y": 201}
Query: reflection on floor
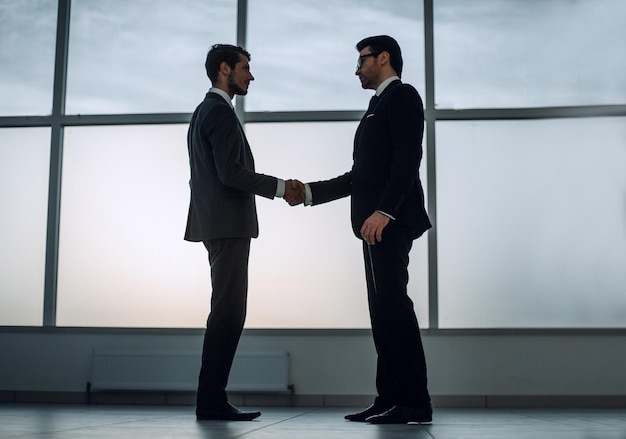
{"x": 26, "y": 421}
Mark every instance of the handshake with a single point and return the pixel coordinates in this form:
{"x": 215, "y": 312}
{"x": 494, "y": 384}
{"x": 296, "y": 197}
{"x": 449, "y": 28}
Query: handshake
{"x": 295, "y": 192}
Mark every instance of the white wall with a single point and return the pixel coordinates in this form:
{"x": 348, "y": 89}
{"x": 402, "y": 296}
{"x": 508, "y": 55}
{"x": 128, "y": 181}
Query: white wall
{"x": 473, "y": 364}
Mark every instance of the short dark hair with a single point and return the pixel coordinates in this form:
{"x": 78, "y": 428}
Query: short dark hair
{"x": 384, "y": 43}
{"x": 218, "y": 53}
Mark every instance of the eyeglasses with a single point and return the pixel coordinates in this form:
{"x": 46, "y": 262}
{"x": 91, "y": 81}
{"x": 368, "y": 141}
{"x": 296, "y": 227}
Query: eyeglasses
{"x": 359, "y": 62}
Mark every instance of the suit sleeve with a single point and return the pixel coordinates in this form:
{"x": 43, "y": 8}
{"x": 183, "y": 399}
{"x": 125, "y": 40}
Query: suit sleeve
{"x": 229, "y": 146}
{"x": 406, "y": 126}
{"x": 330, "y": 190}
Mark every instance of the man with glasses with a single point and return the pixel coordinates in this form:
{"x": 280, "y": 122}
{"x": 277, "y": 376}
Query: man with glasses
{"x": 388, "y": 214}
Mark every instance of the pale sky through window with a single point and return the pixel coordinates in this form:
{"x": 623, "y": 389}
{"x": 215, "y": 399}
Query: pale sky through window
{"x": 27, "y": 34}
{"x": 147, "y": 57}
{"x": 529, "y": 53}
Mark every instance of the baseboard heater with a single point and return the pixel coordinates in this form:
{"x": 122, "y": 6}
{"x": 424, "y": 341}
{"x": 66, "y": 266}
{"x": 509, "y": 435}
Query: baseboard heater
{"x": 178, "y": 371}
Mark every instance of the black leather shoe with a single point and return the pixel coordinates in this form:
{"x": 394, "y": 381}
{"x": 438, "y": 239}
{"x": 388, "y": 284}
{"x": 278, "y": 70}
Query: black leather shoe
{"x": 225, "y": 413}
{"x": 374, "y": 409}
{"x": 403, "y": 415}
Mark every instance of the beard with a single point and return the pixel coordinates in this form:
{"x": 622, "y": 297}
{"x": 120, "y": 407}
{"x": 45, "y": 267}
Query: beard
{"x": 365, "y": 82}
{"x": 234, "y": 87}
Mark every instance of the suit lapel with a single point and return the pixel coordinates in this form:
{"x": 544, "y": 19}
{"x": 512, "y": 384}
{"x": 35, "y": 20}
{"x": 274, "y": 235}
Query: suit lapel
{"x": 374, "y": 103}
{"x": 247, "y": 158}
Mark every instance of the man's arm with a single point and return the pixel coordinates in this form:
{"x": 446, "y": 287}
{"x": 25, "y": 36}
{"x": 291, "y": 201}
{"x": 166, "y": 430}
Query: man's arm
{"x": 330, "y": 190}
{"x": 228, "y": 144}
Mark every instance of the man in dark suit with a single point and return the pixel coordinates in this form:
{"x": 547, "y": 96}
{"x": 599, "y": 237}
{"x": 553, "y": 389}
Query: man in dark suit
{"x": 222, "y": 215}
{"x": 388, "y": 213}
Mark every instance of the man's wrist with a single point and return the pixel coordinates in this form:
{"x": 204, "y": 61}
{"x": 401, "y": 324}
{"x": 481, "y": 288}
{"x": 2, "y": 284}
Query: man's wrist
{"x": 308, "y": 200}
{"x": 386, "y": 214}
{"x": 280, "y": 188}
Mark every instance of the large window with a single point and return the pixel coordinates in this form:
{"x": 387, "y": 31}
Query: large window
{"x": 517, "y": 53}
{"x": 142, "y": 56}
{"x": 27, "y": 31}
{"x": 532, "y": 223}
{"x": 524, "y": 165}
{"x": 24, "y": 162}
{"x": 303, "y": 51}
{"x": 122, "y": 259}
{"x": 307, "y": 258}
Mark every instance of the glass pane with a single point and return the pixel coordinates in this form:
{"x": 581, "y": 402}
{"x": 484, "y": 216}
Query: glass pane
{"x": 122, "y": 258}
{"x": 520, "y": 53}
{"x": 123, "y": 262}
{"x": 531, "y": 223}
{"x": 27, "y": 44}
{"x": 144, "y": 56}
{"x": 303, "y": 55}
{"x": 24, "y": 171}
{"x": 306, "y": 267}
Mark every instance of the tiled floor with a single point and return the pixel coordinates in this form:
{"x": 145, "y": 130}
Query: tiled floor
{"x": 27, "y": 421}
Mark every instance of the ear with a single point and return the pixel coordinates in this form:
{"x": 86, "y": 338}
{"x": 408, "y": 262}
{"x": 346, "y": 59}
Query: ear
{"x": 225, "y": 68}
{"x": 384, "y": 58}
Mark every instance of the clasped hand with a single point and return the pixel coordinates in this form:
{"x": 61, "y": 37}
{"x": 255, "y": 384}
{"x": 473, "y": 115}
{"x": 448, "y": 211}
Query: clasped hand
{"x": 295, "y": 192}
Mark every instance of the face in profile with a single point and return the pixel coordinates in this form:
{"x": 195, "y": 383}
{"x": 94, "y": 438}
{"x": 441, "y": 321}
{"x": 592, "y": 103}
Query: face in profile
{"x": 368, "y": 69}
{"x": 240, "y": 77}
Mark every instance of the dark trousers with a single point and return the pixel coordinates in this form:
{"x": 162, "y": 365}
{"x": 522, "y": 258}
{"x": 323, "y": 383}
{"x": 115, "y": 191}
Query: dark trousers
{"x": 401, "y": 369}
{"x": 229, "y": 279}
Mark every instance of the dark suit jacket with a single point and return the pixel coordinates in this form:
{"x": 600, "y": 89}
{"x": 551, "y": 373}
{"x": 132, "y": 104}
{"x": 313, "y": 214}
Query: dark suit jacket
{"x": 223, "y": 182}
{"x": 385, "y": 171}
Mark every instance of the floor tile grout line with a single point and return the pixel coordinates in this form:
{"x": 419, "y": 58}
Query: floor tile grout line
{"x": 564, "y": 423}
{"x": 278, "y": 422}
{"x": 86, "y": 426}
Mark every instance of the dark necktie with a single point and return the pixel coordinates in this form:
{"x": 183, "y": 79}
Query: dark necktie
{"x": 373, "y": 103}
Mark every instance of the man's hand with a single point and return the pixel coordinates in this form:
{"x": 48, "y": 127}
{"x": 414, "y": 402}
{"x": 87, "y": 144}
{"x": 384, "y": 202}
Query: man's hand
{"x": 295, "y": 192}
{"x": 372, "y": 230}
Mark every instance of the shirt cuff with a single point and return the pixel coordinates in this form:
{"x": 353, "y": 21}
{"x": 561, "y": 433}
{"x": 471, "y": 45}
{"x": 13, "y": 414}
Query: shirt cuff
{"x": 386, "y": 214}
{"x": 308, "y": 200}
{"x": 280, "y": 188}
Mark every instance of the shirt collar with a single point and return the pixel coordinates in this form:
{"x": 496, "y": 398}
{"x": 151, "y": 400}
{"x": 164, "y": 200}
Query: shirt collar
{"x": 383, "y": 85}
{"x": 223, "y": 94}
